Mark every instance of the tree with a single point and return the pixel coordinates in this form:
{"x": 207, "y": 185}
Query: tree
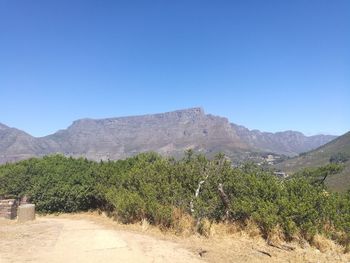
{"x": 339, "y": 158}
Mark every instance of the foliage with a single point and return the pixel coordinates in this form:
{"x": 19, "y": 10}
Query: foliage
{"x": 318, "y": 175}
{"x": 148, "y": 186}
{"x": 339, "y": 158}
{"x": 54, "y": 183}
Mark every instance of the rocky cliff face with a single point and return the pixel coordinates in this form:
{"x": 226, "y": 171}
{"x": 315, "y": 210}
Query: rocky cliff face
{"x": 16, "y": 145}
{"x": 289, "y": 143}
{"x": 167, "y": 133}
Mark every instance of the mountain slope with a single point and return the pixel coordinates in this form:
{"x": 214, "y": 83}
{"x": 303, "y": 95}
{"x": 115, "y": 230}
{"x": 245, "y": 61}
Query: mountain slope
{"x": 289, "y": 143}
{"x": 15, "y": 144}
{"x": 320, "y": 157}
{"x": 168, "y": 133}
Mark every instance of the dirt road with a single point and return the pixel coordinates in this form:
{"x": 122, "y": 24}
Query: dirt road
{"x": 89, "y": 237}
{"x": 66, "y": 240}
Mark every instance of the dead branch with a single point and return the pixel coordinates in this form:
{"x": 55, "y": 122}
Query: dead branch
{"x": 196, "y": 194}
{"x": 264, "y": 252}
{"x": 224, "y": 198}
{"x": 282, "y": 247}
{"x": 202, "y": 252}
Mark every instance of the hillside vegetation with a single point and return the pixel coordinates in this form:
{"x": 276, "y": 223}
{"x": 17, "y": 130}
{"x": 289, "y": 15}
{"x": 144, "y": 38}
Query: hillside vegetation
{"x": 165, "y": 191}
{"x": 322, "y": 156}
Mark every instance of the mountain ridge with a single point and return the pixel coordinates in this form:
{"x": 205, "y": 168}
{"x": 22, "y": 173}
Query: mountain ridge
{"x": 169, "y": 133}
{"x": 292, "y": 142}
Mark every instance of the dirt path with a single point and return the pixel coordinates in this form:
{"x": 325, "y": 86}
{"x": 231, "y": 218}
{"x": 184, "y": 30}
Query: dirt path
{"x": 88, "y": 237}
{"x": 66, "y": 240}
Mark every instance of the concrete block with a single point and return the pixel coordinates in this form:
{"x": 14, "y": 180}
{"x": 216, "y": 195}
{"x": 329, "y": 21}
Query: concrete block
{"x": 26, "y": 213}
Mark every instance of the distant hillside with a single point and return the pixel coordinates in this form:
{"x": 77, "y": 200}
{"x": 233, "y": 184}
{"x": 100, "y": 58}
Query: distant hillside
{"x": 320, "y": 157}
{"x": 17, "y": 145}
{"x": 168, "y": 133}
{"x": 289, "y": 143}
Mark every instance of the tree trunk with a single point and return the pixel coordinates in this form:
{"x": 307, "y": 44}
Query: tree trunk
{"x": 224, "y": 199}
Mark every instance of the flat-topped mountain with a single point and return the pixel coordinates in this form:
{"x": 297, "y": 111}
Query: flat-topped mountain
{"x": 168, "y": 133}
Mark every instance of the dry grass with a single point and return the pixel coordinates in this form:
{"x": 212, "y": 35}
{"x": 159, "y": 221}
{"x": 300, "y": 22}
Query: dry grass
{"x": 276, "y": 236}
{"x": 251, "y": 228}
{"x": 230, "y": 242}
{"x": 145, "y": 225}
{"x": 322, "y": 243}
{"x": 184, "y": 223}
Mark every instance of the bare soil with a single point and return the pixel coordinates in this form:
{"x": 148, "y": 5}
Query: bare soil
{"x": 69, "y": 240}
{"x": 94, "y": 238}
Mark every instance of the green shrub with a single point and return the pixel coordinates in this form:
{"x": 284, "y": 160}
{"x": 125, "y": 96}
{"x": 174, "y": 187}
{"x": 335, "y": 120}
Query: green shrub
{"x": 129, "y": 206}
{"x": 339, "y": 158}
{"x": 148, "y": 186}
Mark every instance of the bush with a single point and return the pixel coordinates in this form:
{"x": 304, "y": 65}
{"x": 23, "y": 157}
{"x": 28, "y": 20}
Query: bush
{"x": 129, "y": 206}
{"x": 54, "y": 183}
{"x": 318, "y": 175}
{"x": 150, "y": 187}
{"x": 339, "y": 158}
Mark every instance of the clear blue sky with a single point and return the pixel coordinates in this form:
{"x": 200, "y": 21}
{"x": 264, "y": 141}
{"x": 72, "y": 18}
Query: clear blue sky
{"x": 268, "y": 65}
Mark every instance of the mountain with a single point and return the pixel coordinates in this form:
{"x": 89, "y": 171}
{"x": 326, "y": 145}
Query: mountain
{"x": 15, "y": 144}
{"x": 321, "y": 156}
{"x": 168, "y": 133}
{"x": 289, "y": 143}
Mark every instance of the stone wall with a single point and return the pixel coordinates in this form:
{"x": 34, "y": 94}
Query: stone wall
{"x": 8, "y": 208}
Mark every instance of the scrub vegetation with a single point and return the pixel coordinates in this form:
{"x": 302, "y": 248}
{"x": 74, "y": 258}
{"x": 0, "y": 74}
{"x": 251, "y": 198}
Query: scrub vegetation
{"x": 164, "y": 191}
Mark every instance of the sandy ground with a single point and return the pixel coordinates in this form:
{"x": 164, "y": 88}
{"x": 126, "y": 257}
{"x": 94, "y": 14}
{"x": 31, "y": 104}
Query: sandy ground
{"x": 67, "y": 240}
{"x": 94, "y": 238}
